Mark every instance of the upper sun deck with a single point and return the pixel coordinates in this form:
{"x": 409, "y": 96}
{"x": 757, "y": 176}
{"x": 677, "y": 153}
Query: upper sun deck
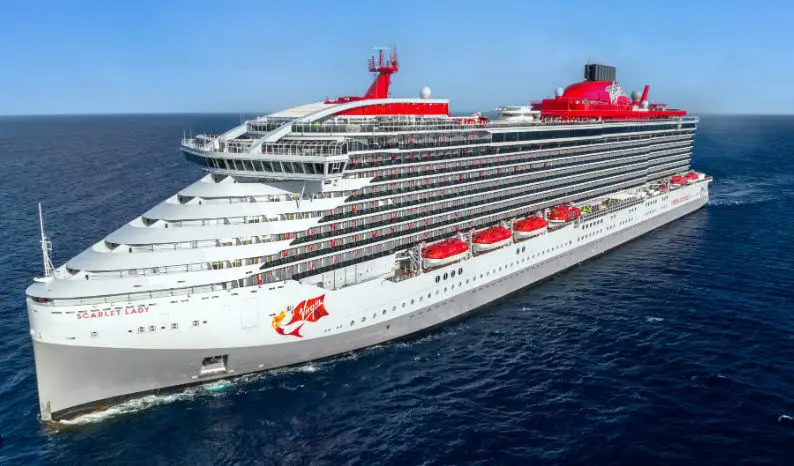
{"x": 312, "y": 141}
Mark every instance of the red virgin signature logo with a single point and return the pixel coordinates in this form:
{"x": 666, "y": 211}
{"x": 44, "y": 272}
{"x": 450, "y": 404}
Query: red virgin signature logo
{"x": 310, "y": 310}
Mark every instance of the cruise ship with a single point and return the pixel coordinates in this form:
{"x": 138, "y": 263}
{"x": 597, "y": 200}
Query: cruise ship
{"x": 349, "y": 222}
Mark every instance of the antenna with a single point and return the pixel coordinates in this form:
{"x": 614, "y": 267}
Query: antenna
{"x": 384, "y": 67}
{"x": 46, "y": 247}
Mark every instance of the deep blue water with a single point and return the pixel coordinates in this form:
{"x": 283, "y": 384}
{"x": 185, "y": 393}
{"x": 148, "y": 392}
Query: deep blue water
{"x": 677, "y": 348}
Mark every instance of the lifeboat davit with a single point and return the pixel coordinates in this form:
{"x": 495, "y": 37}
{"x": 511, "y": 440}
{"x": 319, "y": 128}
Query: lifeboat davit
{"x": 490, "y": 239}
{"x": 529, "y": 227}
{"x": 677, "y": 180}
{"x": 563, "y": 213}
{"x": 444, "y": 252}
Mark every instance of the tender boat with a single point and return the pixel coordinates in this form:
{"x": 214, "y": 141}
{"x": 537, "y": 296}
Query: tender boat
{"x": 491, "y": 238}
{"x": 563, "y": 213}
{"x": 691, "y": 177}
{"x": 529, "y": 227}
{"x": 444, "y": 252}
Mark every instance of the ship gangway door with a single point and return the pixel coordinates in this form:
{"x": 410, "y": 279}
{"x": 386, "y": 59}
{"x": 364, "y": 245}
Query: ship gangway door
{"x": 250, "y": 313}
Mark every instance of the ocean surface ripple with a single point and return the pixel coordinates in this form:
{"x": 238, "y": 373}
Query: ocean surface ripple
{"x": 676, "y": 348}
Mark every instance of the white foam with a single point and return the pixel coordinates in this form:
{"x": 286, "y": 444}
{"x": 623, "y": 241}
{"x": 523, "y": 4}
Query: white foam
{"x": 219, "y": 386}
{"x": 130, "y": 406}
{"x": 654, "y": 319}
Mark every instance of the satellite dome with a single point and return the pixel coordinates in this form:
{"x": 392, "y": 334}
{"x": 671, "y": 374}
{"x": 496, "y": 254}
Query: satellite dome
{"x": 644, "y": 104}
{"x": 636, "y": 96}
{"x": 558, "y": 92}
{"x": 425, "y": 93}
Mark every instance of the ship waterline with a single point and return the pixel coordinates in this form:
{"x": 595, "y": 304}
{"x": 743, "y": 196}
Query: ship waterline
{"x": 306, "y": 238}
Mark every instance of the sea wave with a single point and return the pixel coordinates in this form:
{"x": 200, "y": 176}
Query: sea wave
{"x": 733, "y": 192}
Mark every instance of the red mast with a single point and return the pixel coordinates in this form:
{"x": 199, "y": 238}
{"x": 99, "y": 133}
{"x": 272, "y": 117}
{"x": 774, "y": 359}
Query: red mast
{"x": 379, "y": 89}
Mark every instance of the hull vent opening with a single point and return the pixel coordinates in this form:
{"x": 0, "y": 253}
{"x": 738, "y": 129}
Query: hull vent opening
{"x": 214, "y": 365}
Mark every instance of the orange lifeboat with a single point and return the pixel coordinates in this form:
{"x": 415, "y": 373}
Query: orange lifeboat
{"x": 692, "y": 177}
{"x": 491, "y": 238}
{"x": 529, "y": 227}
{"x": 677, "y": 180}
{"x": 563, "y": 213}
{"x": 444, "y": 252}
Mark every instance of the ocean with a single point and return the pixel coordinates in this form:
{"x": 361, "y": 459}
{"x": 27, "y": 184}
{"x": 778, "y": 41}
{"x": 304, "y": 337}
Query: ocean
{"x": 677, "y": 348}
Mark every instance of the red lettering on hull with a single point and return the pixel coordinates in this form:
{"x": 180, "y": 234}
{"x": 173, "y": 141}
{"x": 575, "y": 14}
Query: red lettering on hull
{"x": 97, "y": 314}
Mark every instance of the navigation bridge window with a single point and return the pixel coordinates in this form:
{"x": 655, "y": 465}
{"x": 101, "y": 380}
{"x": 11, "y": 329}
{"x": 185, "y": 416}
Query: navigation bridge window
{"x": 285, "y": 168}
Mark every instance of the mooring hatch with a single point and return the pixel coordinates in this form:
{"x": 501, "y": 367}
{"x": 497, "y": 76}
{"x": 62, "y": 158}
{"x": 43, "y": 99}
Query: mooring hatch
{"x": 214, "y": 365}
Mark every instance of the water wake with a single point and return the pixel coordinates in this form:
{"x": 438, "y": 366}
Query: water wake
{"x": 733, "y": 193}
{"x": 130, "y": 406}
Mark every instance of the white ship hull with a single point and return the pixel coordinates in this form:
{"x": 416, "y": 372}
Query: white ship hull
{"x": 88, "y": 361}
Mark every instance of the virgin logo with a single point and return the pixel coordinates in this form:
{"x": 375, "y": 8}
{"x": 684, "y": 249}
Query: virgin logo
{"x": 310, "y": 310}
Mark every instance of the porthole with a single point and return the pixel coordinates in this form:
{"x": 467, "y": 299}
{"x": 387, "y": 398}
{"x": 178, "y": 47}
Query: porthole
{"x": 384, "y": 312}
{"x": 394, "y": 308}
{"x": 412, "y": 302}
{"x": 438, "y": 279}
{"x": 460, "y": 270}
{"x": 429, "y": 295}
{"x": 403, "y": 305}
{"x": 452, "y": 274}
{"x": 363, "y": 319}
{"x": 524, "y": 249}
{"x": 375, "y": 315}
{"x": 446, "y": 276}
{"x": 352, "y": 323}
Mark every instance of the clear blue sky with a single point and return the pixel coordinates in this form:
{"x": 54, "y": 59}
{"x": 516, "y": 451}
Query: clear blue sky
{"x": 248, "y": 56}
